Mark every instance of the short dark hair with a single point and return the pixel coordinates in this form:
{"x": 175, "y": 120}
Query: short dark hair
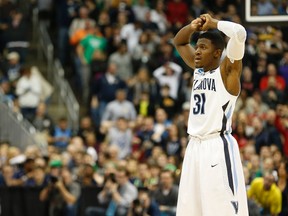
{"x": 215, "y": 37}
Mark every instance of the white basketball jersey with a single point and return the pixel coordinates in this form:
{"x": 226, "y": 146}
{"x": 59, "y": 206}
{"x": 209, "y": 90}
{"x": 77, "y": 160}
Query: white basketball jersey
{"x": 211, "y": 106}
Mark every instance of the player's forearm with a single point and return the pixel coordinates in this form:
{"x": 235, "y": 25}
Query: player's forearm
{"x": 236, "y": 45}
{"x": 232, "y": 30}
{"x": 183, "y": 36}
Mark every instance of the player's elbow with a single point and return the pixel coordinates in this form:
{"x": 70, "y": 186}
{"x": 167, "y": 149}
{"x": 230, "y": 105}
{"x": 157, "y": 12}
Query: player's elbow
{"x": 240, "y": 33}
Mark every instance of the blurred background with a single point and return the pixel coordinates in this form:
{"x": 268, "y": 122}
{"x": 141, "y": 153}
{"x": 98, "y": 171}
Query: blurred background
{"x": 94, "y": 100}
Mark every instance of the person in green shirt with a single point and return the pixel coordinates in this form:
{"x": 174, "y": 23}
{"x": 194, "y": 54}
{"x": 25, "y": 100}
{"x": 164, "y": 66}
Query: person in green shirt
{"x": 89, "y": 46}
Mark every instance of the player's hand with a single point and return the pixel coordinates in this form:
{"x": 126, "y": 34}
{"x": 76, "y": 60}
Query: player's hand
{"x": 208, "y": 22}
{"x": 196, "y": 24}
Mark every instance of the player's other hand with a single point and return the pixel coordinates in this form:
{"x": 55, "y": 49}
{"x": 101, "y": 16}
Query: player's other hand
{"x": 196, "y": 24}
{"x": 208, "y": 22}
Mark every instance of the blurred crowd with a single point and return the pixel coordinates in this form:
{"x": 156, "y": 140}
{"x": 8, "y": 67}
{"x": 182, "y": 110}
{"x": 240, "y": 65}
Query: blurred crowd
{"x": 136, "y": 91}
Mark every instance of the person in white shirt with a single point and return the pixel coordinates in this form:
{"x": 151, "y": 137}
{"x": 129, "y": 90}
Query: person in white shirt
{"x": 28, "y": 90}
{"x": 169, "y": 74}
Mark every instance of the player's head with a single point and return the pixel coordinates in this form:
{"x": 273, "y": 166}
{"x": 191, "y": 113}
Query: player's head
{"x": 215, "y": 37}
{"x": 209, "y": 48}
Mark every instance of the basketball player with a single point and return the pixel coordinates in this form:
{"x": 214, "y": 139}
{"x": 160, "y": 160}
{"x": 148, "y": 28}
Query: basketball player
{"x": 212, "y": 181}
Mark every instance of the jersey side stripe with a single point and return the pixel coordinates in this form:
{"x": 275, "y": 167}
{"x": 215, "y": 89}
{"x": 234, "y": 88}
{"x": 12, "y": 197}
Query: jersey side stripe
{"x": 228, "y": 163}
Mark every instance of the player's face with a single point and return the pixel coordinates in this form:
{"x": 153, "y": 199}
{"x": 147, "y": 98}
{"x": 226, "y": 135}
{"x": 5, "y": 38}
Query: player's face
{"x": 204, "y": 53}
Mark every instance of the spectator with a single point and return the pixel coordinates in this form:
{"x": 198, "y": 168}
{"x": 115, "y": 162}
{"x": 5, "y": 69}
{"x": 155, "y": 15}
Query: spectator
{"x": 38, "y": 178}
{"x": 81, "y": 33}
{"x": 247, "y": 81}
{"x": 255, "y": 169}
{"x": 80, "y": 22}
{"x": 283, "y": 67}
{"x": 142, "y": 179}
{"x": 160, "y": 124}
{"x": 120, "y": 107}
{"x": 62, "y": 194}
{"x": 145, "y": 106}
{"x": 264, "y": 7}
{"x": 144, "y": 205}
{"x": 177, "y": 13}
{"x": 260, "y": 135}
{"x": 121, "y": 136}
{"x": 6, "y": 176}
{"x": 182, "y": 121}
{"x": 148, "y": 25}
{"x": 167, "y": 102}
{"x": 24, "y": 172}
{"x": 166, "y": 195}
{"x": 104, "y": 21}
{"x": 66, "y": 11}
{"x": 86, "y": 128}
{"x": 142, "y": 53}
{"x": 118, "y": 194}
{"x": 42, "y": 121}
{"x": 61, "y": 134}
{"x": 17, "y": 35}
{"x": 28, "y": 90}
{"x": 121, "y": 6}
{"x": 145, "y": 134}
{"x": 169, "y": 74}
{"x": 92, "y": 8}
{"x": 86, "y": 177}
{"x": 265, "y": 192}
{"x": 251, "y": 51}
{"x": 164, "y": 54}
{"x": 85, "y": 50}
{"x": 159, "y": 17}
{"x": 218, "y": 7}
{"x": 272, "y": 96}
{"x": 197, "y": 8}
{"x": 255, "y": 105}
{"x": 6, "y": 95}
{"x": 273, "y": 134}
{"x": 123, "y": 61}
{"x": 104, "y": 92}
{"x": 142, "y": 82}
{"x": 260, "y": 70}
{"x": 282, "y": 125}
{"x": 275, "y": 46}
{"x": 11, "y": 67}
{"x": 282, "y": 183}
{"x": 140, "y": 8}
{"x": 272, "y": 72}
{"x": 131, "y": 32}
{"x": 170, "y": 142}
{"x": 240, "y": 135}
{"x": 6, "y": 8}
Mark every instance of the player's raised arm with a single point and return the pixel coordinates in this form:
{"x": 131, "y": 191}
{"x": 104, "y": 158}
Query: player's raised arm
{"x": 182, "y": 41}
{"x": 231, "y": 66}
{"x": 237, "y": 34}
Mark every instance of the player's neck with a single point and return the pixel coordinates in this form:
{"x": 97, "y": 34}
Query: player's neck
{"x": 211, "y": 66}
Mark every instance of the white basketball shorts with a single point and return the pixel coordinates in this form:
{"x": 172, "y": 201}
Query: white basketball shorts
{"x": 212, "y": 180}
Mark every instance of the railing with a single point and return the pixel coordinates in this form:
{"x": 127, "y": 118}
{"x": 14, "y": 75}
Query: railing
{"x": 17, "y": 130}
{"x": 55, "y": 71}
{"x": 24, "y": 201}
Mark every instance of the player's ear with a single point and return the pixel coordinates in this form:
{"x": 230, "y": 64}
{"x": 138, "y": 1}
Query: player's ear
{"x": 217, "y": 53}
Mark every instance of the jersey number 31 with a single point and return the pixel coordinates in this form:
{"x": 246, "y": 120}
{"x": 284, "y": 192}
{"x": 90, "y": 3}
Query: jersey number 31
{"x": 200, "y": 100}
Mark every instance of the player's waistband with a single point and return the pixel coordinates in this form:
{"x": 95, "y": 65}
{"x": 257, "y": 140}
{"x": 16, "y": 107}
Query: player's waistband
{"x": 206, "y": 137}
